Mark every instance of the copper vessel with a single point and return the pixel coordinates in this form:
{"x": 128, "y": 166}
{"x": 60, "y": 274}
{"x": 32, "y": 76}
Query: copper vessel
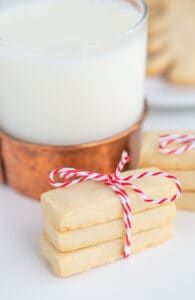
{"x": 25, "y": 166}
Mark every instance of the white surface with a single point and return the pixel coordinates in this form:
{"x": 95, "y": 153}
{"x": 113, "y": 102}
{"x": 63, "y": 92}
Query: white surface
{"x": 163, "y": 273}
{"x": 170, "y": 119}
{"x": 162, "y": 94}
{"x": 83, "y": 79}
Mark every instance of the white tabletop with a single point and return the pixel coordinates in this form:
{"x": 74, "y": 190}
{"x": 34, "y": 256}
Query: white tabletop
{"x": 166, "y": 272}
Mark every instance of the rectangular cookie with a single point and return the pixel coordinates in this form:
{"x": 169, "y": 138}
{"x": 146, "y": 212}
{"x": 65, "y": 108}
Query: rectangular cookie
{"x": 101, "y": 233}
{"x": 187, "y": 180}
{"x": 186, "y": 201}
{"x": 67, "y": 264}
{"x": 151, "y": 156}
{"x": 90, "y": 203}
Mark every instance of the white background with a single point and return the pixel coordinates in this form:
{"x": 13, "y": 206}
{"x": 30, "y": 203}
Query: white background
{"x": 166, "y": 272}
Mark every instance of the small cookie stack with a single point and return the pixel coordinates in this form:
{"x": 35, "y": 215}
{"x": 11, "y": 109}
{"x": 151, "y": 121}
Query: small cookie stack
{"x": 181, "y": 165}
{"x": 83, "y": 223}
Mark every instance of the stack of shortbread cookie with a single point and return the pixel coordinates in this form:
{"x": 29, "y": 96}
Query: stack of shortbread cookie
{"x": 181, "y": 165}
{"x": 83, "y": 224}
{"x": 171, "y": 44}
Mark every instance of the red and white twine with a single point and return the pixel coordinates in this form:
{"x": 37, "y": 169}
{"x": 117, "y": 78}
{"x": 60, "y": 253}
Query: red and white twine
{"x": 117, "y": 183}
{"x": 186, "y": 142}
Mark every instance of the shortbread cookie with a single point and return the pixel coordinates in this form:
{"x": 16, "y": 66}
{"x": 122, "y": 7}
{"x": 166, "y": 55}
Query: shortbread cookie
{"x": 157, "y": 44}
{"x": 180, "y": 21}
{"x": 158, "y": 56}
{"x": 158, "y": 63}
{"x": 187, "y": 180}
{"x": 151, "y": 156}
{"x": 157, "y": 25}
{"x": 182, "y": 72}
{"x": 182, "y": 42}
{"x": 157, "y": 17}
{"x": 186, "y": 201}
{"x": 156, "y": 4}
{"x": 67, "y": 264}
{"x": 90, "y": 203}
{"x": 71, "y": 240}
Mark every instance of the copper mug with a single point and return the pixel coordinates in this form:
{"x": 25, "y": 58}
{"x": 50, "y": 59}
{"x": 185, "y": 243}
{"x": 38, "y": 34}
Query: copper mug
{"x": 25, "y": 166}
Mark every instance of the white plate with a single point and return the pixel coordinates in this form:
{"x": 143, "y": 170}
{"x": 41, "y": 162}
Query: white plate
{"x": 162, "y": 94}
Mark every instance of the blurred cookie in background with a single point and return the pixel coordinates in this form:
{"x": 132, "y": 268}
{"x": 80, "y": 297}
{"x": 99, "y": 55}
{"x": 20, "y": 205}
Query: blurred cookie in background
{"x": 157, "y": 16}
{"x": 158, "y": 63}
{"x": 171, "y": 46}
{"x": 182, "y": 42}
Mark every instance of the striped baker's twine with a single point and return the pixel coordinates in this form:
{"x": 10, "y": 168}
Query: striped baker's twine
{"x": 117, "y": 183}
{"x": 186, "y": 142}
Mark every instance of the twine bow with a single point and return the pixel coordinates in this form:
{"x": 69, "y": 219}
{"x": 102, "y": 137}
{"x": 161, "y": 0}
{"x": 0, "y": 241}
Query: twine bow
{"x": 117, "y": 183}
{"x": 187, "y": 142}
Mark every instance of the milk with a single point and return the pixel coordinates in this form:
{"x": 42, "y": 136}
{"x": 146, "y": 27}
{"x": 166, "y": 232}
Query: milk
{"x": 71, "y": 71}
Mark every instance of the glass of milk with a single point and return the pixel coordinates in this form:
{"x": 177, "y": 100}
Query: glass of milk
{"x": 71, "y": 71}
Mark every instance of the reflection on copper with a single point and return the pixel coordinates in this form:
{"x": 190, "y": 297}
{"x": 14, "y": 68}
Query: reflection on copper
{"x": 25, "y": 166}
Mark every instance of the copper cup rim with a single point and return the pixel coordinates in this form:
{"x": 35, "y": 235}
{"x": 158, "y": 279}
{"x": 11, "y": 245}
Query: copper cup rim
{"x": 75, "y": 147}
